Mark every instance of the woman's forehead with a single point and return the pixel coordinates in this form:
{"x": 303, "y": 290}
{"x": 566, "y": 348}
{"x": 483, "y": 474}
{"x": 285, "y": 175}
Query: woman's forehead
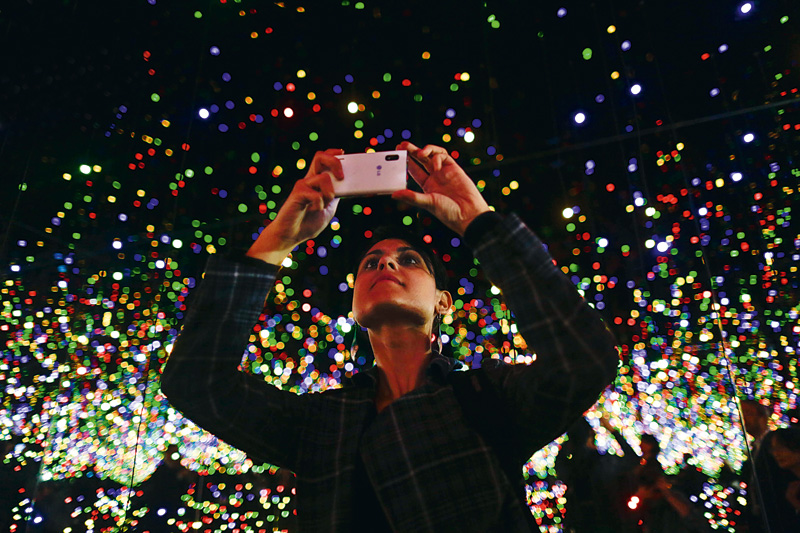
{"x": 389, "y": 245}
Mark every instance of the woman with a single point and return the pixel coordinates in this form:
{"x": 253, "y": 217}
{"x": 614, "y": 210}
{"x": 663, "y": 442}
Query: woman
{"x": 411, "y": 444}
{"x": 785, "y": 449}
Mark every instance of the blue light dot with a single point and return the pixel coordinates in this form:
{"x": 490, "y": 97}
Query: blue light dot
{"x": 405, "y": 134}
{"x": 599, "y": 98}
{"x": 214, "y": 51}
{"x": 477, "y": 123}
{"x": 337, "y": 89}
{"x": 226, "y": 76}
{"x": 348, "y": 78}
{"x": 277, "y": 86}
{"x": 450, "y": 113}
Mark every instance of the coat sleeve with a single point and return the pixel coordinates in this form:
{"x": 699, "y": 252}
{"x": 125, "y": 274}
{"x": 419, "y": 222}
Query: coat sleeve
{"x": 575, "y": 353}
{"x": 203, "y": 379}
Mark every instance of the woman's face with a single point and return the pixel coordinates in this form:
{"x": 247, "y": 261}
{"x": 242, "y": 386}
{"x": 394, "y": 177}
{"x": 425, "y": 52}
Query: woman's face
{"x": 784, "y": 456}
{"x": 393, "y": 285}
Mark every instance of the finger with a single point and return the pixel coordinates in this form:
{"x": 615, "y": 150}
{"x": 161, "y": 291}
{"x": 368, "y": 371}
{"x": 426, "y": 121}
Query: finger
{"x": 418, "y": 171}
{"x": 424, "y": 201}
{"x": 321, "y": 183}
{"x": 327, "y": 161}
{"x": 407, "y": 146}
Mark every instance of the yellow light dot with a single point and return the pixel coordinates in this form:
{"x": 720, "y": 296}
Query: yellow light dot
{"x": 140, "y": 194}
{"x": 112, "y": 199}
{"x": 358, "y": 134}
{"x": 680, "y": 146}
{"x": 611, "y": 29}
{"x": 150, "y": 228}
{"x": 165, "y": 123}
{"x": 514, "y": 185}
{"x": 248, "y": 100}
{"x": 376, "y": 94}
{"x": 426, "y": 55}
{"x": 301, "y": 73}
{"x": 277, "y": 171}
{"x": 67, "y": 176}
{"x": 311, "y": 96}
{"x": 253, "y": 34}
{"x": 614, "y": 75}
{"x": 446, "y": 137}
{"x": 168, "y": 152}
{"x": 301, "y": 164}
{"x": 465, "y": 76}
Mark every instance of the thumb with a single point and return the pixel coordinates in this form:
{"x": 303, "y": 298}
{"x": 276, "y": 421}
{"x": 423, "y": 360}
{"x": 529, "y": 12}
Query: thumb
{"x": 424, "y": 201}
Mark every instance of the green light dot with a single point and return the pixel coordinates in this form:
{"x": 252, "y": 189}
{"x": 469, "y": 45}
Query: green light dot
{"x": 87, "y": 198}
{"x": 276, "y": 189}
{"x": 255, "y": 157}
{"x": 313, "y": 136}
{"x": 357, "y": 209}
{"x": 295, "y": 145}
{"x": 495, "y": 24}
{"x": 768, "y": 48}
{"x": 784, "y": 19}
{"x": 454, "y": 87}
{"x": 76, "y": 236}
{"x": 117, "y": 185}
{"x": 570, "y": 227}
{"x": 189, "y": 173}
{"x": 154, "y": 97}
{"x": 417, "y": 97}
{"x": 587, "y": 53}
{"x": 222, "y": 241}
{"x": 358, "y": 124}
{"x": 359, "y": 5}
{"x": 208, "y": 170}
{"x": 407, "y": 220}
{"x": 242, "y": 208}
{"x": 387, "y": 77}
{"x": 157, "y": 142}
{"x": 198, "y": 15}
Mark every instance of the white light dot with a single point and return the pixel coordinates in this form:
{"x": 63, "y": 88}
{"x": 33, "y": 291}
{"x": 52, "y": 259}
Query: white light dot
{"x": 568, "y": 212}
{"x": 736, "y": 176}
{"x": 288, "y": 112}
{"x": 580, "y": 117}
{"x": 602, "y": 242}
{"x": 662, "y": 246}
{"x": 702, "y": 211}
{"x": 562, "y": 12}
{"x": 636, "y": 89}
{"x": 352, "y": 107}
{"x": 746, "y": 8}
{"x": 469, "y": 136}
{"x": 748, "y": 137}
{"x": 117, "y": 245}
{"x": 204, "y": 113}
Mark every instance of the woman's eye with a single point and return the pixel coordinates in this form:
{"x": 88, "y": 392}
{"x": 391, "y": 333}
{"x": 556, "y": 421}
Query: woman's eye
{"x": 409, "y": 259}
{"x": 370, "y": 263}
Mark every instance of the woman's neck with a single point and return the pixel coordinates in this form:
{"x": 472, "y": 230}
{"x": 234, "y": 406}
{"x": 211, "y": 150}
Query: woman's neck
{"x": 402, "y": 355}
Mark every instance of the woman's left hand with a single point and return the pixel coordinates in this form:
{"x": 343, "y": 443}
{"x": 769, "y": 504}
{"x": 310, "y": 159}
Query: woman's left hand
{"x": 448, "y": 193}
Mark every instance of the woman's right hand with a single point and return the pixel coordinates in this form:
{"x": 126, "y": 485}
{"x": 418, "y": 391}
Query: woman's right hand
{"x": 305, "y": 213}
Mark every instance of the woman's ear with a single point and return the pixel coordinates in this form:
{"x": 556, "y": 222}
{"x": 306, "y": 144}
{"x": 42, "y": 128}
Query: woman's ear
{"x": 444, "y": 303}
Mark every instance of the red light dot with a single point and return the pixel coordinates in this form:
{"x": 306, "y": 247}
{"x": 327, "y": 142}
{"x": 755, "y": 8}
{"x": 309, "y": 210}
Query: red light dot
{"x": 307, "y": 293}
{"x": 253, "y": 170}
{"x": 367, "y": 210}
{"x": 316, "y": 108}
{"x": 368, "y": 234}
{"x": 185, "y": 147}
{"x": 454, "y": 154}
{"x": 373, "y": 142}
{"x": 406, "y": 83}
{"x": 428, "y": 239}
{"x": 290, "y": 87}
{"x": 705, "y": 56}
{"x": 268, "y": 30}
{"x": 274, "y": 112}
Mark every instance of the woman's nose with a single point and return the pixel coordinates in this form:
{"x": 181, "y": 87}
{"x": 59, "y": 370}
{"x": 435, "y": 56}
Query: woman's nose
{"x": 387, "y": 262}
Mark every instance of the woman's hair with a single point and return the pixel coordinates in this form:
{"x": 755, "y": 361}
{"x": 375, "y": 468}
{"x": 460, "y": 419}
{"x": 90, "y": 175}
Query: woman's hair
{"x": 789, "y": 437}
{"x": 432, "y": 261}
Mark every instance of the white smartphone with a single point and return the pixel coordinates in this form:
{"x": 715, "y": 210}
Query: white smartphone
{"x": 374, "y": 173}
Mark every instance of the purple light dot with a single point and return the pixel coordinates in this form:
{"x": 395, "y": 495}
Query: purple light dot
{"x": 460, "y": 132}
{"x": 277, "y": 86}
{"x": 405, "y": 134}
{"x": 348, "y": 78}
{"x": 226, "y": 76}
{"x": 214, "y": 51}
{"x": 223, "y": 128}
{"x": 599, "y": 98}
{"x": 450, "y": 113}
{"x": 477, "y": 123}
{"x": 337, "y": 89}
{"x": 223, "y": 193}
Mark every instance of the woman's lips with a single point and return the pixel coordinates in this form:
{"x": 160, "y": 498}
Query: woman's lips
{"x": 386, "y": 277}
